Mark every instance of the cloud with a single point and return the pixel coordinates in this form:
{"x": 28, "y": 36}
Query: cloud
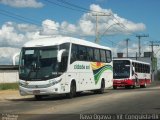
{"x": 67, "y": 28}
{"x": 9, "y": 36}
{"x": 22, "y": 3}
{"x": 113, "y": 24}
{"x": 6, "y": 54}
{"x": 14, "y": 35}
{"x": 50, "y": 27}
{"x": 86, "y": 25}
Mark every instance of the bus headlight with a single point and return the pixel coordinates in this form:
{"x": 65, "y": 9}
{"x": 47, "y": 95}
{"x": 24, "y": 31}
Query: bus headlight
{"x": 56, "y": 81}
{"x": 23, "y": 83}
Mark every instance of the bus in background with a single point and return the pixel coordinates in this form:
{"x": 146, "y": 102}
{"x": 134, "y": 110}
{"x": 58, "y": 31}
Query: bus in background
{"x": 130, "y": 73}
{"x": 64, "y": 65}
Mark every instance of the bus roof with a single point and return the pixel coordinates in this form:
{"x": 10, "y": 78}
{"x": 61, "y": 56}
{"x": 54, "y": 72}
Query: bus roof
{"x": 132, "y": 60}
{"x": 51, "y": 41}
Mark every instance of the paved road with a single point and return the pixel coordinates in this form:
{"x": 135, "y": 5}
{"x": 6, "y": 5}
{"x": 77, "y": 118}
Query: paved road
{"x": 121, "y": 101}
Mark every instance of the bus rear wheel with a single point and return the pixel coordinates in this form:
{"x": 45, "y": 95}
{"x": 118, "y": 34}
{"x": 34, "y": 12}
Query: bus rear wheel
{"x": 101, "y": 90}
{"x": 127, "y": 87}
{"x": 143, "y": 86}
{"x": 114, "y": 87}
{"x": 134, "y": 86}
{"x": 72, "y": 92}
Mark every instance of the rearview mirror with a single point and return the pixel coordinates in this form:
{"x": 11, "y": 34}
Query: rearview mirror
{"x": 59, "y": 56}
{"x": 133, "y": 69}
{"x": 14, "y": 58}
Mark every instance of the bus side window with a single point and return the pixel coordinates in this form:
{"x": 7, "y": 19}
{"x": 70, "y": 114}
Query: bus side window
{"x": 82, "y": 53}
{"x": 103, "y": 55}
{"x": 136, "y": 67}
{"x": 74, "y": 53}
{"x": 90, "y": 54}
{"x": 96, "y": 55}
{"x": 108, "y": 56}
{"x": 64, "y": 62}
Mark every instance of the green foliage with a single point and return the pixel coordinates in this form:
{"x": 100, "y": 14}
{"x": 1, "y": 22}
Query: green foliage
{"x": 6, "y": 86}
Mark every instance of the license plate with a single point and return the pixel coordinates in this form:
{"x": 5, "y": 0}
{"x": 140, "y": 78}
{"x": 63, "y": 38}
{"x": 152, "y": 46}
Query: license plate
{"x": 36, "y": 91}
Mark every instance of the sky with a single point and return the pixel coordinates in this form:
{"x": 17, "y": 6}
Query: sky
{"x": 25, "y": 20}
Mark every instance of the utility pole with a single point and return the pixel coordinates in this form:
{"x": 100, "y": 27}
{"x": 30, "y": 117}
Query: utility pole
{"x": 97, "y": 33}
{"x": 152, "y": 56}
{"x": 127, "y": 45}
{"x": 152, "y": 49}
{"x": 139, "y": 42}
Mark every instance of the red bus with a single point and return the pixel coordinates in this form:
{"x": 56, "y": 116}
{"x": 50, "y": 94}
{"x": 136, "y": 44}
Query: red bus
{"x": 130, "y": 73}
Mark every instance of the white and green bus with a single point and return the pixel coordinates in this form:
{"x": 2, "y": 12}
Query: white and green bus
{"x": 64, "y": 65}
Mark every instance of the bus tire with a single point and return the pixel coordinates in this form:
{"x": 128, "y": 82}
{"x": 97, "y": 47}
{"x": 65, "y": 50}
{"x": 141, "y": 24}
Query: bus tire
{"x": 38, "y": 97}
{"x": 143, "y": 86}
{"x": 72, "y": 92}
{"x": 78, "y": 93}
{"x": 134, "y": 86}
{"x": 101, "y": 90}
{"x": 127, "y": 87}
{"x": 114, "y": 87}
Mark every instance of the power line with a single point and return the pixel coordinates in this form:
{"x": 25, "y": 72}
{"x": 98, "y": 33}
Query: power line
{"x": 73, "y": 5}
{"x": 18, "y": 17}
{"x": 60, "y": 5}
{"x": 97, "y": 33}
{"x": 81, "y": 9}
{"x": 108, "y": 27}
{"x": 87, "y": 10}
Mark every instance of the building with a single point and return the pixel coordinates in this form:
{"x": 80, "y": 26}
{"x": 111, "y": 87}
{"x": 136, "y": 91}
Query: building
{"x": 8, "y": 74}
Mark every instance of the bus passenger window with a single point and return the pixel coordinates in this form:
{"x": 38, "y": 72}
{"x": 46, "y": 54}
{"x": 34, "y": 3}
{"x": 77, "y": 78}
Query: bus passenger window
{"x": 108, "y": 56}
{"x": 103, "y": 55}
{"x": 96, "y": 55}
{"x": 82, "y": 53}
{"x": 90, "y": 54}
{"x": 64, "y": 62}
{"x": 74, "y": 53}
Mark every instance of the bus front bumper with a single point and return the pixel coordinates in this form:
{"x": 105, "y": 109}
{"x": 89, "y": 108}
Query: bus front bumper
{"x": 39, "y": 91}
{"x": 122, "y": 83}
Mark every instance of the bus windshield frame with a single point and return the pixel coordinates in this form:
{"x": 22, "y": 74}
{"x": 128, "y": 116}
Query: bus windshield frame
{"x": 40, "y": 63}
{"x": 121, "y": 69}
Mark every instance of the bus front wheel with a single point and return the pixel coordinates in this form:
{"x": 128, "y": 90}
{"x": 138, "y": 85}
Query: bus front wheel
{"x": 38, "y": 97}
{"x": 72, "y": 92}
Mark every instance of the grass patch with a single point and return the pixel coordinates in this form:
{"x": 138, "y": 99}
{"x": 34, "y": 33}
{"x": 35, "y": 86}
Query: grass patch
{"x": 7, "y": 86}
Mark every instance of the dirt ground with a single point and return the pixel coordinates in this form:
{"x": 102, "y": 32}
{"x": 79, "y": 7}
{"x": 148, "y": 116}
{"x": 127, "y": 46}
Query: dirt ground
{"x": 11, "y": 94}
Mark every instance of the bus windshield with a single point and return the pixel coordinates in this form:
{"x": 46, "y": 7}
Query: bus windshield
{"x": 38, "y": 63}
{"x": 121, "y": 69}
